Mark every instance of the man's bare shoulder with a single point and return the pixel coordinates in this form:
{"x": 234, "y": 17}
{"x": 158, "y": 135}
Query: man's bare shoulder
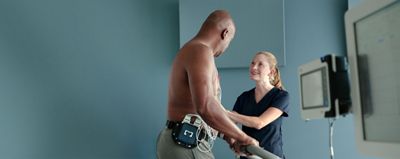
{"x": 196, "y": 52}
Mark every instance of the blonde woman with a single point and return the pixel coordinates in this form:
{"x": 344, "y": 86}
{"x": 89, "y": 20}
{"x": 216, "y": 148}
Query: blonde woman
{"x": 260, "y": 110}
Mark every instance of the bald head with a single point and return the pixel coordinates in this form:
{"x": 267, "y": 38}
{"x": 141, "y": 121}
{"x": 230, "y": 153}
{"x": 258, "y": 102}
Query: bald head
{"x": 217, "y": 30}
{"x": 219, "y": 20}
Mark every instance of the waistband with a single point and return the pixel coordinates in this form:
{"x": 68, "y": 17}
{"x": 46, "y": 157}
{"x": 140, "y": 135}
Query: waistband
{"x": 172, "y": 124}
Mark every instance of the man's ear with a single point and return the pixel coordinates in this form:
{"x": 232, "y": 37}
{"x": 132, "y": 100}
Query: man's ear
{"x": 224, "y": 33}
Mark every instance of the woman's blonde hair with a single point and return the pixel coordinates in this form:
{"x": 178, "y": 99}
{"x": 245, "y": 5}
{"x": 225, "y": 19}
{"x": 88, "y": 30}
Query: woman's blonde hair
{"x": 275, "y": 80}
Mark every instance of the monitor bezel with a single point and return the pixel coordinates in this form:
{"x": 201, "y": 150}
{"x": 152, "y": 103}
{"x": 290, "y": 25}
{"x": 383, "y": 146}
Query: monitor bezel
{"x": 352, "y": 16}
{"x": 316, "y": 112}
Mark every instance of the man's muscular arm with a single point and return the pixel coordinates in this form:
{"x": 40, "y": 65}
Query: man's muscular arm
{"x": 200, "y": 68}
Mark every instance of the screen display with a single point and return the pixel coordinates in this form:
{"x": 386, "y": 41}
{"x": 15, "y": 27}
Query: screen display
{"x": 314, "y": 89}
{"x": 378, "y": 56}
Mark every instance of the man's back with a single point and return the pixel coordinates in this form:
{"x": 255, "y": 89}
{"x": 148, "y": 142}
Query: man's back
{"x": 193, "y": 56}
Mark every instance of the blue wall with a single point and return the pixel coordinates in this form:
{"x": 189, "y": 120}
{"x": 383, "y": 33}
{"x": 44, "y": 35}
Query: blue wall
{"x": 84, "y": 79}
{"x": 87, "y": 79}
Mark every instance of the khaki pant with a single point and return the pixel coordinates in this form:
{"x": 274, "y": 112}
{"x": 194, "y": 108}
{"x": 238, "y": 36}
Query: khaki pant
{"x": 168, "y": 149}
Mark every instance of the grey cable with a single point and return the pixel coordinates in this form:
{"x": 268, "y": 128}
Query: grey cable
{"x": 331, "y": 124}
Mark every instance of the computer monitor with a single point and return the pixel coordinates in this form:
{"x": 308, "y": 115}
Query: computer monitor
{"x": 373, "y": 50}
{"x": 324, "y": 88}
{"x": 314, "y": 90}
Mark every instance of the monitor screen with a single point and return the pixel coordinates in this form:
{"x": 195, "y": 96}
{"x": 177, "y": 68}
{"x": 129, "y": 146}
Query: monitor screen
{"x": 314, "y": 89}
{"x": 378, "y": 53}
{"x": 373, "y": 49}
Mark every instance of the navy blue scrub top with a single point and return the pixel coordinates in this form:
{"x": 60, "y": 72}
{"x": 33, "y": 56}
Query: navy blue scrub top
{"x": 270, "y": 136}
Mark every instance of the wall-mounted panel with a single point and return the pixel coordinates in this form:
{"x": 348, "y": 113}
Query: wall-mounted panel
{"x": 259, "y": 26}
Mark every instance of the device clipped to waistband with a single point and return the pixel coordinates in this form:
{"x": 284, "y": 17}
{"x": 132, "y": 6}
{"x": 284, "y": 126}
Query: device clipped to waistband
{"x": 192, "y": 131}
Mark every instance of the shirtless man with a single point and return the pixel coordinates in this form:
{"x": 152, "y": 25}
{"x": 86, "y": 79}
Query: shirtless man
{"x": 194, "y": 88}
